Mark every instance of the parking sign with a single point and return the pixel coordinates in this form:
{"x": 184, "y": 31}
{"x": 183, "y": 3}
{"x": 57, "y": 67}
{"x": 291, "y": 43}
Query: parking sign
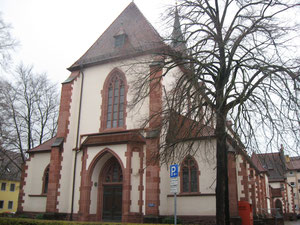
{"x": 174, "y": 171}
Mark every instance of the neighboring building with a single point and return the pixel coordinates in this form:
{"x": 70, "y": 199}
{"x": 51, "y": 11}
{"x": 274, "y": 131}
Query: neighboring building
{"x": 10, "y": 176}
{"x": 293, "y": 178}
{"x": 281, "y": 190}
{"x": 99, "y": 167}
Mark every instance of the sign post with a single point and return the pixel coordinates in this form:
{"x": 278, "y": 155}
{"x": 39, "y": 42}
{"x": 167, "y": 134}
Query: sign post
{"x": 174, "y": 187}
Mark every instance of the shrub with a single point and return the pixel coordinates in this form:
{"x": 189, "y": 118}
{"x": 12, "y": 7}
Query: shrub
{"x": 170, "y": 220}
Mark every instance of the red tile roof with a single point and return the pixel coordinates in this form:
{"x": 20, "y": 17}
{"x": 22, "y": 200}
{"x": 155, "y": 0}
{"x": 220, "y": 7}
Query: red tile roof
{"x": 46, "y": 146}
{"x": 141, "y": 38}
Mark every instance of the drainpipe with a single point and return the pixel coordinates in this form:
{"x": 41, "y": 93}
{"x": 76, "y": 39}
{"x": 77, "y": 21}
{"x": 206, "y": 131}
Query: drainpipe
{"x": 76, "y": 146}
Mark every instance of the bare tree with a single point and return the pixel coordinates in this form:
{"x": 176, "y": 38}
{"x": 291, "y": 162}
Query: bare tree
{"x": 30, "y": 106}
{"x": 7, "y": 43}
{"x": 237, "y": 62}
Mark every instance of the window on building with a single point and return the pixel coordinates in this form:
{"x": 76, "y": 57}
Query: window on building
{"x": 3, "y": 186}
{"x": 292, "y": 184}
{"x": 1, "y": 204}
{"x": 10, "y": 204}
{"x": 12, "y": 187}
{"x": 45, "y": 180}
{"x": 291, "y": 172}
{"x": 299, "y": 181}
{"x": 120, "y": 40}
{"x": 189, "y": 175}
{"x": 115, "y": 101}
{"x": 114, "y": 173}
{"x": 299, "y": 190}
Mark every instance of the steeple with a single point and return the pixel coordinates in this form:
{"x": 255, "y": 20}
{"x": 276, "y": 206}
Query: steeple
{"x": 178, "y": 41}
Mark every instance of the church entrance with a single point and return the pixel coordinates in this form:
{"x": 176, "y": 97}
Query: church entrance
{"x": 112, "y": 203}
{"x": 112, "y": 191}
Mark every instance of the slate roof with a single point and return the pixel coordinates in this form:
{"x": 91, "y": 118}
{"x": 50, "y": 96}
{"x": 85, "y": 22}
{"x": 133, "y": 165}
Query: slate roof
{"x": 294, "y": 163}
{"x": 141, "y": 38}
{"x": 274, "y": 163}
{"x": 8, "y": 170}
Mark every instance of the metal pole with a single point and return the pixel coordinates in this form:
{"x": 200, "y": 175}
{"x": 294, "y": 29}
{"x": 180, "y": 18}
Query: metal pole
{"x": 175, "y": 209}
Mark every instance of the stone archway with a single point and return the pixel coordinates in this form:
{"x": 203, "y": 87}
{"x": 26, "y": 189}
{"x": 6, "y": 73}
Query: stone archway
{"x": 110, "y": 191}
{"x": 86, "y": 185}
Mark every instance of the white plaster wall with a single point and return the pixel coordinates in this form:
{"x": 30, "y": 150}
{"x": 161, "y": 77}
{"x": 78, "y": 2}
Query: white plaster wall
{"x": 37, "y": 204}
{"x": 193, "y": 205}
{"x": 94, "y": 78}
{"x": 196, "y": 205}
{"x": 77, "y": 183}
{"x": 135, "y": 181}
{"x": 34, "y": 182}
{"x": 66, "y": 181}
{"x": 117, "y": 149}
{"x": 275, "y": 184}
{"x": 164, "y": 189}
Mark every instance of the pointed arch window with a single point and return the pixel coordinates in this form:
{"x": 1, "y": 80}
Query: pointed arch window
{"x": 45, "y": 180}
{"x": 189, "y": 175}
{"x": 113, "y": 173}
{"x": 114, "y": 101}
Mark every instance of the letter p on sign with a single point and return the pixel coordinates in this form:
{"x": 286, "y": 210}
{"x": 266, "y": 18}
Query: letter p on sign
{"x": 174, "y": 171}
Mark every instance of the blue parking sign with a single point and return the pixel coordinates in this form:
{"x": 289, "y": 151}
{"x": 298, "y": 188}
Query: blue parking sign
{"x": 174, "y": 170}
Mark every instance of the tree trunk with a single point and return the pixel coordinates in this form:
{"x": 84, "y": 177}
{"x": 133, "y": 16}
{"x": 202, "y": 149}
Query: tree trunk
{"x": 222, "y": 201}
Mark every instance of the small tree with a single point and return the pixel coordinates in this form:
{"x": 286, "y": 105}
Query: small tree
{"x": 237, "y": 61}
{"x": 30, "y": 108}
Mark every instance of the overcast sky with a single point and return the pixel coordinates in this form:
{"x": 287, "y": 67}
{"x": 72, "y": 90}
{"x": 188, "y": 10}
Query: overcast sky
{"x": 53, "y": 34}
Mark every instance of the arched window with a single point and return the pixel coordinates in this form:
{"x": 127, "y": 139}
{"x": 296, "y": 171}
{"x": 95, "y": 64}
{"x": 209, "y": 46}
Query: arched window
{"x": 45, "y": 180}
{"x": 189, "y": 175}
{"x": 113, "y": 173}
{"x": 114, "y": 101}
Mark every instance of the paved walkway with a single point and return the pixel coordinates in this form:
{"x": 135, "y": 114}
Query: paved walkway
{"x": 297, "y": 222}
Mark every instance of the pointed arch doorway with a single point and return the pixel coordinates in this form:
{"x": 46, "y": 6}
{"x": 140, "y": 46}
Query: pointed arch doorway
{"x": 110, "y": 190}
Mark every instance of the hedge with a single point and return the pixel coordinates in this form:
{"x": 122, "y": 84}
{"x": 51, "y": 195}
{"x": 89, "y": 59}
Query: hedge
{"x": 25, "y": 221}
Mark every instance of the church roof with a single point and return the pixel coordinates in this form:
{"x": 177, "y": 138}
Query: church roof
{"x": 275, "y": 165}
{"x": 46, "y": 146}
{"x": 141, "y": 38}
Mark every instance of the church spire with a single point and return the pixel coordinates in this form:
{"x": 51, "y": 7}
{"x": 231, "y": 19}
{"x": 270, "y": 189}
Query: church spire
{"x": 178, "y": 41}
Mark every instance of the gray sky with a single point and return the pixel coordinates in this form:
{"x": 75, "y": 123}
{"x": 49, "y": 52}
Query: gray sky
{"x": 55, "y": 33}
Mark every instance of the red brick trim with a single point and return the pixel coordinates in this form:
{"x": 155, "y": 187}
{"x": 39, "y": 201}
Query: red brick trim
{"x": 141, "y": 186}
{"x": 244, "y": 181}
{"x": 126, "y": 200}
{"x": 54, "y": 178}
{"x": 65, "y": 105}
{"x": 152, "y": 163}
{"x": 23, "y": 183}
{"x": 104, "y": 94}
{"x": 41, "y": 195}
{"x": 86, "y": 181}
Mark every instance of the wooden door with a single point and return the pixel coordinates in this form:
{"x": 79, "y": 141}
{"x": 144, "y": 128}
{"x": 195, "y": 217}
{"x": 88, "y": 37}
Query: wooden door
{"x": 112, "y": 203}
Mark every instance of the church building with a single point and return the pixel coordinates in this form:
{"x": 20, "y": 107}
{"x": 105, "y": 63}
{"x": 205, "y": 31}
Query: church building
{"x": 97, "y": 167}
